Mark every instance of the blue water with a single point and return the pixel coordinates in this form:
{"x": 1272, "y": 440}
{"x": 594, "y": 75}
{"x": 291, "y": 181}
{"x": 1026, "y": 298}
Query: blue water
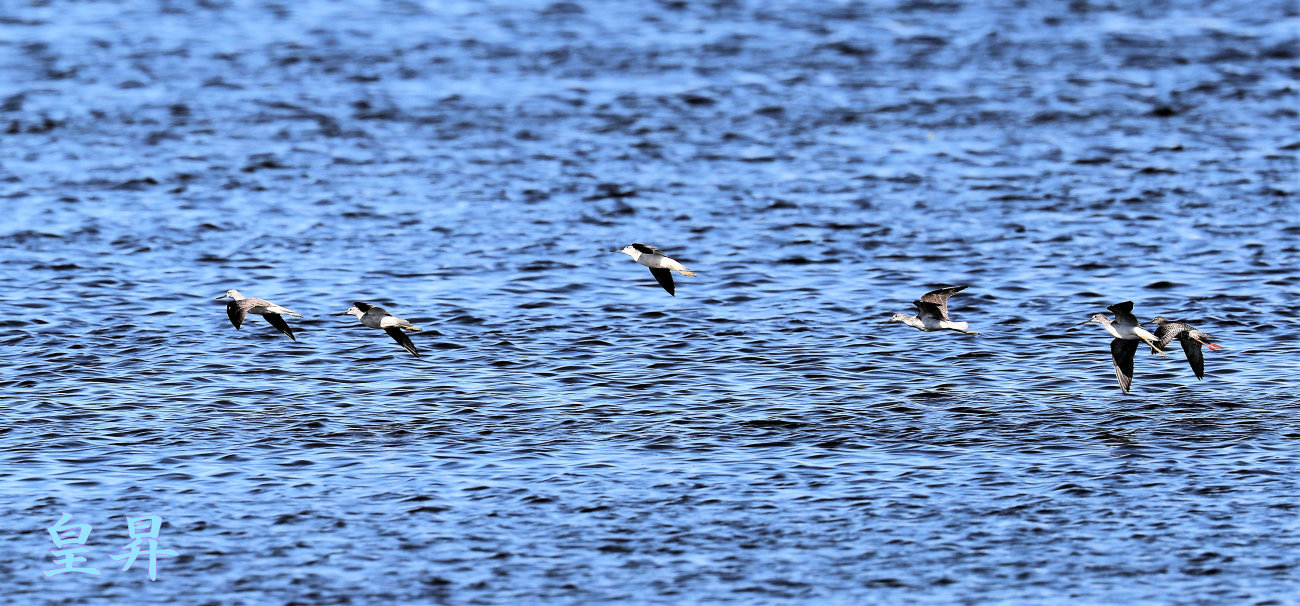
{"x": 572, "y": 434}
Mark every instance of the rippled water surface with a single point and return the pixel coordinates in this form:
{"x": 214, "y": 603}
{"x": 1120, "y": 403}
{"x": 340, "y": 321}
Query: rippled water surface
{"x": 572, "y": 434}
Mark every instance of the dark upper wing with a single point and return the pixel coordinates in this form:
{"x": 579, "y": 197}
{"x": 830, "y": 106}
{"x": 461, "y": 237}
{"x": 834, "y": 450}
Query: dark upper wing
{"x": 403, "y": 340}
{"x": 665, "y": 278}
{"x": 940, "y": 297}
{"x": 280, "y": 325}
{"x": 646, "y": 249}
{"x": 930, "y": 309}
{"x": 236, "y": 313}
{"x": 1123, "y": 310}
{"x": 1121, "y": 353}
{"x": 1195, "y": 357}
{"x": 374, "y": 316}
{"x": 1168, "y": 331}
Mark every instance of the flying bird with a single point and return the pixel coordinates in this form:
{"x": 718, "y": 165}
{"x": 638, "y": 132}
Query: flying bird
{"x": 1127, "y": 333}
{"x": 932, "y": 312}
{"x": 661, "y": 266}
{"x": 377, "y": 317}
{"x": 1190, "y": 338}
{"x": 239, "y": 306}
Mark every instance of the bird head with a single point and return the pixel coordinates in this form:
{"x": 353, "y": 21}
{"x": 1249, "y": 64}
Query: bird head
{"x": 1098, "y": 318}
{"x": 354, "y": 310}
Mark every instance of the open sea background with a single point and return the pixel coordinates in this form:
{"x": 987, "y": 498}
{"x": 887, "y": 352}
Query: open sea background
{"x": 574, "y": 435}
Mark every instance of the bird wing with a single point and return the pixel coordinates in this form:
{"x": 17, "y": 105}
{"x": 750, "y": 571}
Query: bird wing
{"x": 1124, "y": 311}
{"x": 1195, "y": 357}
{"x": 236, "y": 313}
{"x": 279, "y": 324}
{"x": 1121, "y": 353}
{"x": 930, "y": 309}
{"x": 1167, "y": 331}
{"x": 374, "y": 317}
{"x": 646, "y": 249}
{"x": 665, "y": 278}
{"x": 403, "y": 340}
{"x": 940, "y": 297}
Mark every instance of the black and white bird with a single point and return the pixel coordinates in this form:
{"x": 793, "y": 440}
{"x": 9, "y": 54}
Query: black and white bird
{"x": 661, "y": 266}
{"x": 1190, "y": 338}
{"x": 1127, "y": 333}
{"x": 240, "y": 306}
{"x": 377, "y": 317}
{"x": 932, "y": 312}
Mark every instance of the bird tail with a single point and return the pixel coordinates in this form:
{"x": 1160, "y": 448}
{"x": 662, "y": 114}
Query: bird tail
{"x": 676, "y": 266}
{"x": 961, "y": 326}
{"x": 1149, "y": 339}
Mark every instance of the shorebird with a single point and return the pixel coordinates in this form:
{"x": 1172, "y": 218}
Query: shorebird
{"x": 377, "y": 317}
{"x": 1127, "y": 333}
{"x": 660, "y": 265}
{"x": 240, "y": 306}
{"x": 1190, "y": 338}
{"x": 932, "y": 312}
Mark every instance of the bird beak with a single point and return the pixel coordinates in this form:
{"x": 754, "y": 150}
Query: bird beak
{"x": 1083, "y": 322}
{"x": 220, "y": 298}
{"x": 341, "y": 313}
